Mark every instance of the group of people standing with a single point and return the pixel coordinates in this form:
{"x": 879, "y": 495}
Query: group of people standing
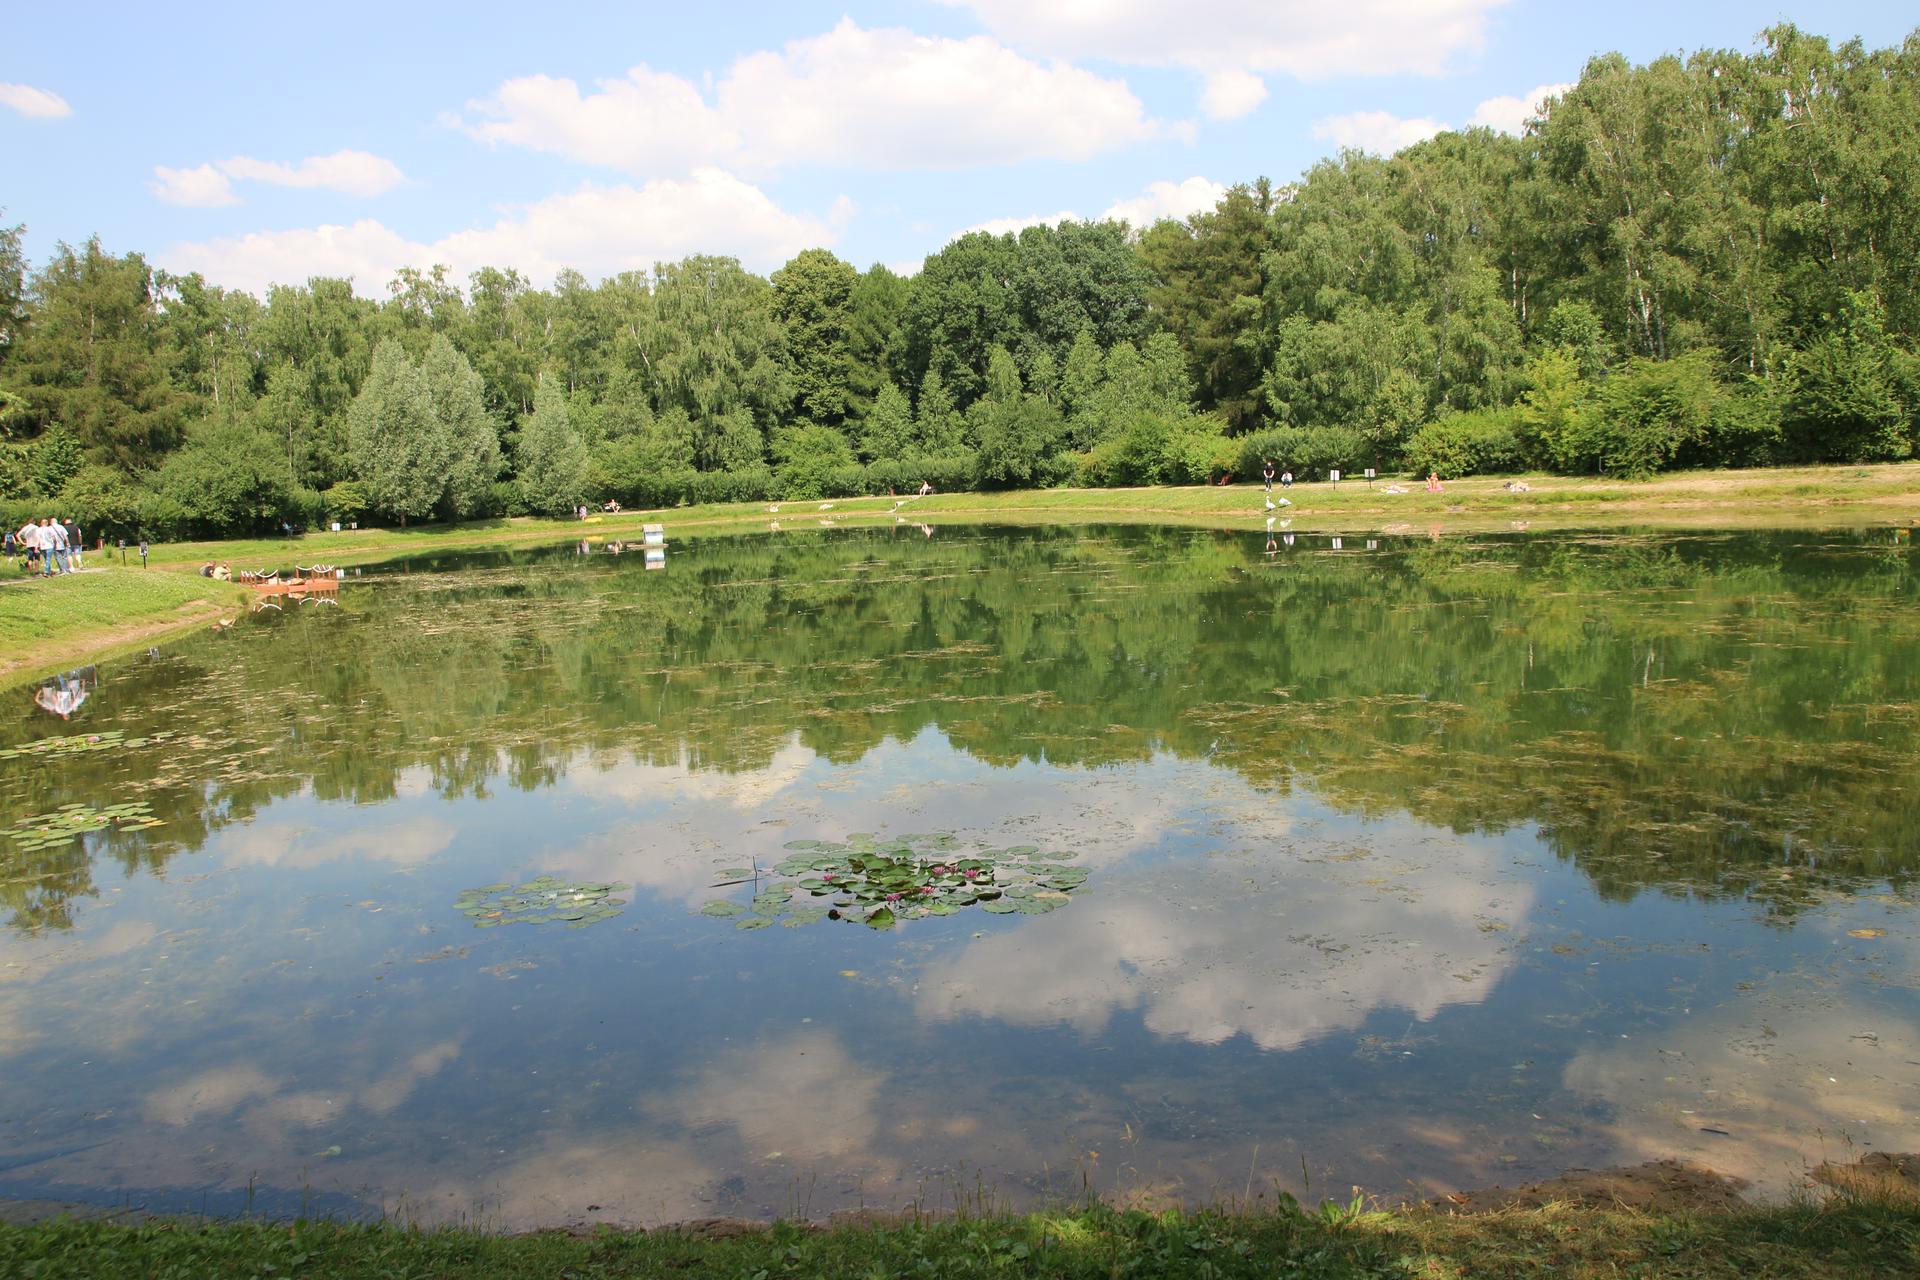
{"x": 46, "y": 546}
{"x": 1266, "y": 473}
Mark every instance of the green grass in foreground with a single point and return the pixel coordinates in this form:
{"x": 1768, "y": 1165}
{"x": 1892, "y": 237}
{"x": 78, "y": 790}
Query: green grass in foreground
{"x": 1844, "y": 1238}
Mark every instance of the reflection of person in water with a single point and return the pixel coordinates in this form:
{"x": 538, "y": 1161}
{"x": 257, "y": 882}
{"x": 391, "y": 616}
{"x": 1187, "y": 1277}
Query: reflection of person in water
{"x": 64, "y": 694}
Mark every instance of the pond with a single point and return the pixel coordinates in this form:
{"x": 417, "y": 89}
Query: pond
{"x": 982, "y": 866}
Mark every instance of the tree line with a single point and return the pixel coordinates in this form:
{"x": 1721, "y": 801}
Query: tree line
{"x": 1709, "y": 261}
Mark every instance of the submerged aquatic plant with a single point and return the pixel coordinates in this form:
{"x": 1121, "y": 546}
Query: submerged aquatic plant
{"x": 541, "y": 900}
{"x": 879, "y": 882}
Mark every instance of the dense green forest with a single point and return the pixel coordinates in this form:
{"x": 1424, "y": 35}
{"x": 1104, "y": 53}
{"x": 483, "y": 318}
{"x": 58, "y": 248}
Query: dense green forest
{"x": 1700, "y": 262}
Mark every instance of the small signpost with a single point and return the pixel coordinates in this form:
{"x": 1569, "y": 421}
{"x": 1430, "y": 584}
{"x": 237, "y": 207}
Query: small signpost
{"x": 1337, "y": 544}
{"x": 1369, "y": 477}
{"x": 1334, "y": 476}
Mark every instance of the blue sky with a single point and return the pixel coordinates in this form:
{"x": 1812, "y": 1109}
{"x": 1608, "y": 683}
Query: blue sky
{"x": 264, "y": 143}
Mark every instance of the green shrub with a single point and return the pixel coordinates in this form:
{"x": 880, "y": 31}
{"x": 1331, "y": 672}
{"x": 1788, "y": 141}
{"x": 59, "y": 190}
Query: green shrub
{"x": 1476, "y": 442}
{"x": 1653, "y": 414}
{"x": 345, "y": 502}
{"x": 105, "y": 502}
{"x": 812, "y": 461}
{"x": 747, "y": 484}
{"x": 1306, "y": 451}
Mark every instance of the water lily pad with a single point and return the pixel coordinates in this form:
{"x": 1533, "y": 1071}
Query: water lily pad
{"x": 542, "y": 900}
{"x": 908, "y": 878}
{"x": 773, "y": 900}
{"x": 81, "y": 743}
{"x": 70, "y": 820}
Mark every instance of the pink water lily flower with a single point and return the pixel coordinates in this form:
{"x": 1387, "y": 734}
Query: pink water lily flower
{"x": 893, "y": 897}
{"x": 941, "y": 871}
{"x": 827, "y": 876}
{"x": 973, "y": 875}
{"x": 926, "y": 888}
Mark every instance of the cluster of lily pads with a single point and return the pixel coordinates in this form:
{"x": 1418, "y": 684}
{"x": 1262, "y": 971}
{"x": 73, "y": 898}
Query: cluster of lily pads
{"x": 879, "y": 882}
{"x": 80, "y": 743}
{"x": 45, "y": 830}
{"x": 541, "y": 900}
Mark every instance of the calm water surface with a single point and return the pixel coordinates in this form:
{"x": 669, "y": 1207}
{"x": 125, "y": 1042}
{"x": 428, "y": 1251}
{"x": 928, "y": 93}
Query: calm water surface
{"x": 1408, "y": 864}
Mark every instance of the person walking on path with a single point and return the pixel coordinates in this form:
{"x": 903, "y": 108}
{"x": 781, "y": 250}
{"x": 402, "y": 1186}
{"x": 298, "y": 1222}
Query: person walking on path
{"x": 1266, "y": 473}
{"x": 27, "y": 539}
{"x": 76, "y": 545}
{"x": 57, "y": 539}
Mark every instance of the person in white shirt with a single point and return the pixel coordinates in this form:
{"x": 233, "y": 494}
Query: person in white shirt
{"x": 56, "y": 539}
{"x": 28, "y": 538}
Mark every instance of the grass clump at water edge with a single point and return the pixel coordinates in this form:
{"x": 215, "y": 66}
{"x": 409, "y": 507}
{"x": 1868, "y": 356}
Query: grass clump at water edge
{"x": 1845, "y": 1237}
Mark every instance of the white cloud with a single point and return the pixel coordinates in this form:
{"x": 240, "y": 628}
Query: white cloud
{"x": 1159, "y": 200}
{"x": 1232, "y": 93}
{"x": 1319, "y": 949}
{"x": 41, "y": 104}
{"x": 1377, "y": 131}
{"x": 650, "y": 121}
{"x": 597, "y": 230}
{"x": 1233, "y": 42}
{"x": 356, "y": 173}
{"x": 202, "y": 188}
{"x": 871, "y": 99}
{"x": 1384, "y": 133}
{"x": 1167, "y": 200}
{"x": 803, "y": 1095}
{"x": 1509, "y": 114}
{"x": 406, "y": 843}
{"x": 1014, "y": 226}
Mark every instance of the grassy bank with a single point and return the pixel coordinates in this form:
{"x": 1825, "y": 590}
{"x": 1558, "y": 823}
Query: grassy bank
{"x": 1773, "y": 497}
{"x": 51, "y": 625}
{"x": 1844, "y": 1238}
